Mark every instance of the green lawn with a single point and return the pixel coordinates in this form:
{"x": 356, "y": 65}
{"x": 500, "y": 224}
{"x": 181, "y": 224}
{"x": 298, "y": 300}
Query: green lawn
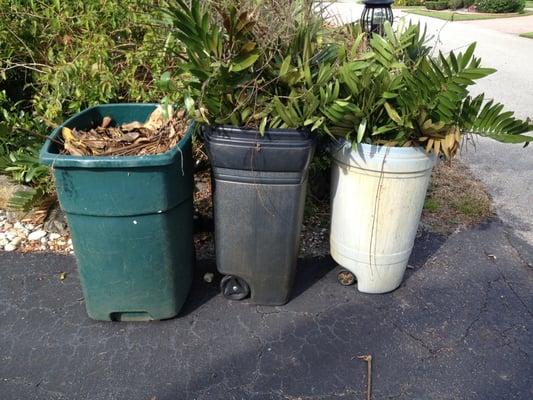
{"x": 453, "y": 16}
{"x": 529, "y": 3}
{"x": 528, "y": 35}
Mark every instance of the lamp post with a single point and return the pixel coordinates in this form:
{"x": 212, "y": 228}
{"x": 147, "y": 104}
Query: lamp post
{"x": 375, "y": 14}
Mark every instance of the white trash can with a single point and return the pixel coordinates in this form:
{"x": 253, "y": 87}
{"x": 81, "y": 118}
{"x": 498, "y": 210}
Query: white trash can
{"x": 377, "y": 196}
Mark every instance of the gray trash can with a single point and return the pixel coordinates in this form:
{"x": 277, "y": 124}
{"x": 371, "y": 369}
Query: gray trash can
{"x": 259, "y": 189}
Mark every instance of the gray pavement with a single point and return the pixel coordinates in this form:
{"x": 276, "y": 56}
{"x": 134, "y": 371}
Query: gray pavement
{"x": 514, "y": 25}
{"x": 459, "y": 327}
{"x": 507, "y": 170}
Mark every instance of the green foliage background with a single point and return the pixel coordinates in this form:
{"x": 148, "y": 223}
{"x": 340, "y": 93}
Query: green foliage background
{"x": 500, "y": 6}
{"x": 409, "y": 3}
{"x": 58, "y": 57}
{"x": 455, "y": 4}
{"x": 436, "y": 5}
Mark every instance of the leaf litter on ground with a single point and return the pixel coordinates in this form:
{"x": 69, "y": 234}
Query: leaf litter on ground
{"x": 162, "y": 131}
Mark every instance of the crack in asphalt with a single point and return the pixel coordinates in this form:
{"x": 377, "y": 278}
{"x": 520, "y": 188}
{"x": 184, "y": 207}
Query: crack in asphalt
{"x": 504, "y": 278}
{"x": 432, "y": 351}
{"x": 518, "y": 253}
{"x": 482, "y": 309}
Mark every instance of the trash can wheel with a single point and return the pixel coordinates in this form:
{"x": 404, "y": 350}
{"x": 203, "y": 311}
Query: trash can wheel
{"x": 345, "y": 277}
{"x": 234, "y": 288}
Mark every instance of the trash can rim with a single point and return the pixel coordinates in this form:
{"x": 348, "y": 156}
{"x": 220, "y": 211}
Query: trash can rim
{"x": 46, "y": 156}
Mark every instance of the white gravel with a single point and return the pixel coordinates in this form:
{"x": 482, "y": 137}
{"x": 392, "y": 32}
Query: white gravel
{"x": 36, "y": 235}
{"x": 28, "y": 236}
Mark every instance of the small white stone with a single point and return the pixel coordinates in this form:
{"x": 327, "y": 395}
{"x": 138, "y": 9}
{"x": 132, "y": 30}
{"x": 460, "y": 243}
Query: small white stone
{"x": 10, "y": 247}
{"x": 18, "y": 225}
{"x": 54, "y": 236}
{"x": 10, "y": 235}
{"x": 36, "y": 235}
{"x": 3, "y": 242}
{"x": 44, "y": 240}
{"x": 30, "y": 226}
{"x": 208, "y": 277}
{"x": 61, "y": 243}
{"x": 69, "y": 241}
{"x": 2, "y": 235}
{"x": 16, "y": 241}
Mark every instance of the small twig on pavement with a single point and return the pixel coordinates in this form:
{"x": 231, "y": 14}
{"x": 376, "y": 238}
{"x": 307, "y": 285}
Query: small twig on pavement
{"x": 368, "y": 359}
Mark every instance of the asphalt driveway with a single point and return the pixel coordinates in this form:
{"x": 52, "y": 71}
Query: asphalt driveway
{"x": 459, "y": 327}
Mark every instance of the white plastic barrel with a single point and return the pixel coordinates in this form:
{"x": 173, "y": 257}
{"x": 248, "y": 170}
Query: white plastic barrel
{"x": 377, "y": 198}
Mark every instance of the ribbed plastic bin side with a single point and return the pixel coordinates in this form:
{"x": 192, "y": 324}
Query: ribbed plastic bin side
{"x": 259, "y": 197}
{"x": 130, "y": 220}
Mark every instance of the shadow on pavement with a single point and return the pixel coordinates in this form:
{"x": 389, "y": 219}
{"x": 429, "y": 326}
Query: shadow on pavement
{"x": 460, "y": 327}
{"x": 309, "y": 271}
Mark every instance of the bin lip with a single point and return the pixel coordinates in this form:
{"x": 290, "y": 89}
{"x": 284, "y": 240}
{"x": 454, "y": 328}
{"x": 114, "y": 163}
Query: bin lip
{"x": 279, "y": 136}
{"x": 47, "y": 157}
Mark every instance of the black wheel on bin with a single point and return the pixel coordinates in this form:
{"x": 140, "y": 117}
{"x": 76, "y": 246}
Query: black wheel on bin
{"x": 345, "y": 277}
{"x": 234, "y": 288}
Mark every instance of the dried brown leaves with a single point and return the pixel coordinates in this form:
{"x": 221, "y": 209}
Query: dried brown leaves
{"x": 157, "y": 135}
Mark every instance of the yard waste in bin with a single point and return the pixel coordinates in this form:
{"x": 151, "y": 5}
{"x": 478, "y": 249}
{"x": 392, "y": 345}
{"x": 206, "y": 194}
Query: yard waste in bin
{"x": 259, "y": 189}
{"x": 130, "y": 219}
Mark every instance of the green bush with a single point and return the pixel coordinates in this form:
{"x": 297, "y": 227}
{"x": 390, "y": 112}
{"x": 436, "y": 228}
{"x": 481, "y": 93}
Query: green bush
{"x": 409, "y": 3}
{"x": 57, "y": 58}
{"x": 500, "y": 6}
{"x": 436, "y": 5}
{"x": 261, "y": 68}
{"x": 468, "y": 3}
{"x": 455, "y": 4}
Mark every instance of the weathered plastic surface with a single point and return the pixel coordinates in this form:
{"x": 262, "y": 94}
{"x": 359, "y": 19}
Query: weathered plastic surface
{"x": 130, "y": 220}
{"x": 259, "y": 196}
{"x": 377, "y": 196}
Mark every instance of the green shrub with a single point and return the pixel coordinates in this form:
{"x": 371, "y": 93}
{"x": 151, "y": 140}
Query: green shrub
{"x": 500, "y": 6}
{"x": 455, "y": 4}
{"x": 436, "y": 5}
{"x": 261, "y": 69}
{"x": 399, "y": 86}
{"x": 468, "y": 3}
{"x": 80, "y": 53}
{"x": 409, "y": 3}
{"x": 57, "y": 58}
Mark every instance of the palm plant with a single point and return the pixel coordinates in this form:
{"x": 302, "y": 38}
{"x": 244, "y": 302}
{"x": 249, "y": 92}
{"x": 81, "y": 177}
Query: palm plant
{"x": 246, "y": 59}
{"x": 393, "y": 92}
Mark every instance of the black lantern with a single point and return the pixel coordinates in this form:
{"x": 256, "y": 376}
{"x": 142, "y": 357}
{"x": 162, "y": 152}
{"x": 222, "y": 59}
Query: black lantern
{"x": 375, "y": 14}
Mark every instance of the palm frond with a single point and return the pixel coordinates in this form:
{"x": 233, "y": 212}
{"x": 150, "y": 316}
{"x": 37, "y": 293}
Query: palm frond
{"x": 488, "y": 119}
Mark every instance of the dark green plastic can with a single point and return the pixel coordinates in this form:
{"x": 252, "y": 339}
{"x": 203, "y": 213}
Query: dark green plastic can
{"x": 130, "y": 220}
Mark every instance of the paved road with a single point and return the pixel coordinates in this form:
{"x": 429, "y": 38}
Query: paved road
{"x": 459, "y": 327}
{"x": 515, "y": 25}
{"x": 506, "y": 169}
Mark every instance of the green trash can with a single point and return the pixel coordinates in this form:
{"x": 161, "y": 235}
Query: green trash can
{"x": 130, "y": 220}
